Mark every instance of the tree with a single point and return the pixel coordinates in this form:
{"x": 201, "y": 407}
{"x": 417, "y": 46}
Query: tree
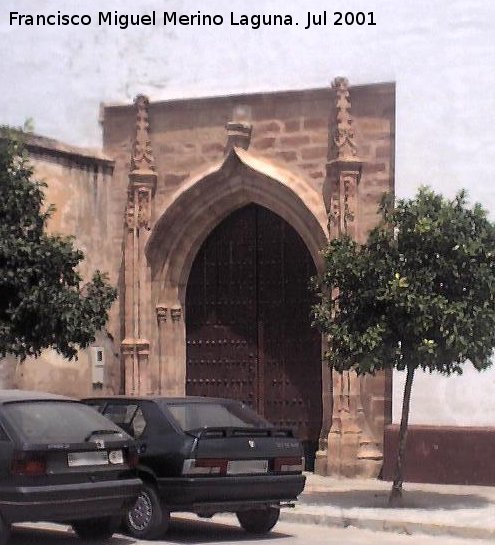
{"x": 43, "y": 303}
{"x": 420, "y": 293}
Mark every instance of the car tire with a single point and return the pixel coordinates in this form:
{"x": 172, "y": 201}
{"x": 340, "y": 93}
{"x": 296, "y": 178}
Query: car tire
{"x": 148, "y": 518}
{"x": 96, "y": 528}
{"x": 258, "y": 521}
{"x": 4, "y": 531}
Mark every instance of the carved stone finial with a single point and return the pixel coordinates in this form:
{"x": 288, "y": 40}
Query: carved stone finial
{"x": 161, "y": 313}
{"x": 239, "y": 129}
{"x": 342, "y": 145}
{"x": 238, "y": 135}
{"x": 142, "y": 159}
{"x": 176, "y": 314}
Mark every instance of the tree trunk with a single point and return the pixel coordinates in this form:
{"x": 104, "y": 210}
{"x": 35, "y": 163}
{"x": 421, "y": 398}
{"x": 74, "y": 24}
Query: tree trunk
{"x": 395, "y": 498}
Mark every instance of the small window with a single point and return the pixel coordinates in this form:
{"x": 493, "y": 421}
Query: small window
{"x": 138, "y": 424}
{"x": 120, "y": 413}
{"x": 3, "y": 435}
{"x": 191, "y": 416}
{"x": 53, "y": 421}
{"x": 96, "y": 406}
{"x": 129, "y": 417}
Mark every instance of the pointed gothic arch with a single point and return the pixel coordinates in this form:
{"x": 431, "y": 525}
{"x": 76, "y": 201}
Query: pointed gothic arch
{"x": 195, "y": 210}
{"x": 208, "y": 197}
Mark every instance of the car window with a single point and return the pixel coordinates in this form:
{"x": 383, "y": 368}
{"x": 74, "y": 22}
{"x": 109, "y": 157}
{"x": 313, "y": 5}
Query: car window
{"x": 3, "y": 435}
{"x": 129, "y": 416}
{"x": 51, "y": 421}
{"x": 121, "y": 413}
{"x": 97, "y": 406}
{"x": 191, "y": 416}
{"x": 138, "y": 423}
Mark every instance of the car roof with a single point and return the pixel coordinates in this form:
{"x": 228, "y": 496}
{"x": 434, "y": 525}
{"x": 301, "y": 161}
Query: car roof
{"x": 30, "y": 395}
{"x": 183, "y": 399}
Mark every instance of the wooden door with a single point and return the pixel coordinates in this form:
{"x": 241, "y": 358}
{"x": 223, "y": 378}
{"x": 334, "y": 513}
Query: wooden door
{"x": 248, "y": 325}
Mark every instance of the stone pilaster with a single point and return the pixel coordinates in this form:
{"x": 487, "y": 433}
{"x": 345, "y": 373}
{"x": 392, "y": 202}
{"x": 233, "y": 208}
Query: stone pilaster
{"x": 350, "y": 449}
{"x": 161, "y": 318}
{"x": 135, "y": 347}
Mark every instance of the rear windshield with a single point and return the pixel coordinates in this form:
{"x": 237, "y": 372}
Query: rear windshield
{"x": 193, "y": 416}
{"x": 56, "y": 421}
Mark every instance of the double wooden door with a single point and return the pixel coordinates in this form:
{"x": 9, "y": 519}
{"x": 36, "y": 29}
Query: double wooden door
{"x": 248, "y": 323}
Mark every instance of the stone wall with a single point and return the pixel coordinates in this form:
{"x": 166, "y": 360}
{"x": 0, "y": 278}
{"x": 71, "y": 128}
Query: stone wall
{"x": 281, "y": 162}
{"x": 289, "y": 128}
{"x": 284, "y": 169}
{"x": 78, "y": 184}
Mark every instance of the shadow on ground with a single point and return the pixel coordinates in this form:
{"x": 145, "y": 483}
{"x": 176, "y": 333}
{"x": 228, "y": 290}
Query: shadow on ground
{"x": 55, "y": 535}
{"x": 414, "y": 499}
{"x": 193, "y": 531}
{"x": 182, "y": 530}
{"x": 190, "y": 530}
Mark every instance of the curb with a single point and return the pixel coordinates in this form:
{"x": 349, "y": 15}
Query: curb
{"x": 383, "y": 525}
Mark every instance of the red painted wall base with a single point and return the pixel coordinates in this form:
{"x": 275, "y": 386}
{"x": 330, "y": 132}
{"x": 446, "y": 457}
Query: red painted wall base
{"x": 442, "y": 454}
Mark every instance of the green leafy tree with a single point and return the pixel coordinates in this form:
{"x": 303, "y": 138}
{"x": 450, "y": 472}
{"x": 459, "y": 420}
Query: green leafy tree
{"x": 43, "y": 303}
{"x": 420, "y": 293}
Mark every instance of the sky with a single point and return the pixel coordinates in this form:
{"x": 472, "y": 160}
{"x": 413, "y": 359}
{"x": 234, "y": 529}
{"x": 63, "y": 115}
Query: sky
{"x": 440, "y": 54}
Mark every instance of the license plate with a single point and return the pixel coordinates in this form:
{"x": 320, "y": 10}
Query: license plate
{"x": 239, "y": 467}
{"x": 92, "y": 458}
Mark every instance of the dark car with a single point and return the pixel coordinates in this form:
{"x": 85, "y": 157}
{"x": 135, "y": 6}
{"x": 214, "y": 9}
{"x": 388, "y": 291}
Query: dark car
{"x": 60, "y": 461}
{"x": 205, "y": 456}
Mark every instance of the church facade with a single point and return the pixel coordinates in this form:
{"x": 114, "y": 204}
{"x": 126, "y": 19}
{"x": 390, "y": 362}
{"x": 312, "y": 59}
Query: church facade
{"x": 210, "y": 215}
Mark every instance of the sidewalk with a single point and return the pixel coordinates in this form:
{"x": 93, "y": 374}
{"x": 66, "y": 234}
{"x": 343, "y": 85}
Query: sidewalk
{"x": 461, "y": 511}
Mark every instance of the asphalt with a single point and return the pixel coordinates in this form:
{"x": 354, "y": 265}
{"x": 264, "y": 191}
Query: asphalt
{"x": 446, "y": 510}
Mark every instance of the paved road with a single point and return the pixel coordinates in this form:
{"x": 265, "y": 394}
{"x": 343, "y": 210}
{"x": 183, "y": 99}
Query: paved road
{"x": 226, "y": 532}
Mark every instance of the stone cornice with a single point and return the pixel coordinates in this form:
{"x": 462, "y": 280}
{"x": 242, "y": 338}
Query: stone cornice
{"x": 39, "y": 146}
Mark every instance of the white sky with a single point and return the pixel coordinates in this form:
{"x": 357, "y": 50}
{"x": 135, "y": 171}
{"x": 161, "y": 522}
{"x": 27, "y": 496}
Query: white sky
{"x": 440, "y": 53}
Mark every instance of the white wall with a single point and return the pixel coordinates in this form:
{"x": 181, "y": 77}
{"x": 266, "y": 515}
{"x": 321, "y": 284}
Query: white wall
{"x": 441, "y": 54}
{"x": 467, "y": 400}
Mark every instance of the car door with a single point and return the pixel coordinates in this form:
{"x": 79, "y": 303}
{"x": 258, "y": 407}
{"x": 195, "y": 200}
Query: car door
{"x": 6, "y": 448}
{"x": 161, "y": 446}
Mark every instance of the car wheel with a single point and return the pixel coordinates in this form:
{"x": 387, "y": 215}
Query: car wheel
{"x": 148, "y": 518}
{"x": 95, "y": 528}
{"x": 258, "y": 521}
{"x": 4, "y": 531}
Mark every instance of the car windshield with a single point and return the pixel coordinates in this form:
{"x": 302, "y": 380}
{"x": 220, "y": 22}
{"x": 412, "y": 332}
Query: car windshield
{"x": 196, "y": 415}
{"x": 57, "y": 421}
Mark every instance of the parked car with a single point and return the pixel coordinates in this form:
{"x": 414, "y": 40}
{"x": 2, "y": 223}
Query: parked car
{"x": 205, "y": 456}
{"x": 60, "y": 461}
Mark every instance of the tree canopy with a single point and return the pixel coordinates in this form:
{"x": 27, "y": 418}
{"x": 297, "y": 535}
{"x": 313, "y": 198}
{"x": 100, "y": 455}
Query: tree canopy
{"x": 420, "y": 293}
{"x": 43, "y": 303}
